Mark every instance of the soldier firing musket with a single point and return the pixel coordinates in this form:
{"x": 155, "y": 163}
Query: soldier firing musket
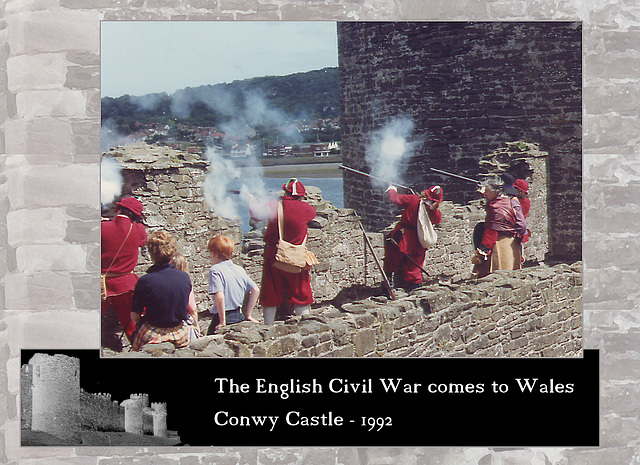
{"x": 405, "y": 247}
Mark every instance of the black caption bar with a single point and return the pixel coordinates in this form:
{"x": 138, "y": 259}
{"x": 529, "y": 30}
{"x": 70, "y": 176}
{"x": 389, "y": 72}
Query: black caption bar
{"x": 506, "y": 402}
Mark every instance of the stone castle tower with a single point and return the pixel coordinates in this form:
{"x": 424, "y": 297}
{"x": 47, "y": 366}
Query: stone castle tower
{"x": 468, "y": 87}
{"x": 133, "y": 414}
{"x": 55, "y": 394}
{"x": 159, "y": 412}
{"x": 141, "y": 418}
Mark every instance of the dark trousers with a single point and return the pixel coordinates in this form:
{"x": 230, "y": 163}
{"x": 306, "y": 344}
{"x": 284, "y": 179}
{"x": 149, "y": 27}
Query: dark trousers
{"x": 231, "y": 317}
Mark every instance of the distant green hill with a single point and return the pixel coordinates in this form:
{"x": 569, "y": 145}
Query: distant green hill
{"x": 269, "y": 100}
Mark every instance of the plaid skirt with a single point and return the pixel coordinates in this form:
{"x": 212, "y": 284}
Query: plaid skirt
{"x": 147, "y": 334}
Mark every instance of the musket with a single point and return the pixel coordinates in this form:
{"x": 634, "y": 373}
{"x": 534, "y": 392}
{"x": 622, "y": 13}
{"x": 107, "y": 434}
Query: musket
{"x": 385, "y": 281}
{"x": 361, "y": 173}
{"x": 464, "y": 178}
{"x": 390, "y": 239}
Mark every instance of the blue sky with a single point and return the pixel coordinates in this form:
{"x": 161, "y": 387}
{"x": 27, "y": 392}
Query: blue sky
{"x": 141, "y": 57}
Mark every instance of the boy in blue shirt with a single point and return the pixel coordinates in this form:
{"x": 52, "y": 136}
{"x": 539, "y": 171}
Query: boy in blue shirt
{"x": 229, "y": 286}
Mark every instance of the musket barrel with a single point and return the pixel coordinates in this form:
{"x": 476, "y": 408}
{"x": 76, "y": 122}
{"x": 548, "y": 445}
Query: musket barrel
{"x": 361, "y": 173}
{"x": 453, "y": 175}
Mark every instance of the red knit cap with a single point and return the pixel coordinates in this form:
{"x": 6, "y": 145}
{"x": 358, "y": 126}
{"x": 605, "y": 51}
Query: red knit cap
{"x": 521, "y": 184}
{"x": 434, "y": 193}
{"x": 131, "y": 203}
{"x": 293, "y": 187}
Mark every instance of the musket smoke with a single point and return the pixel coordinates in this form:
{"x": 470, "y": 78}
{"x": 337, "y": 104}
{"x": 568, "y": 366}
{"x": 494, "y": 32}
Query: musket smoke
{"x": 110, "y": 180}
{"x": 221, "y": 172}
{"x": 110, "y": 136}
{"x": 240, "y": 111}
{"x": 388, "y": 148}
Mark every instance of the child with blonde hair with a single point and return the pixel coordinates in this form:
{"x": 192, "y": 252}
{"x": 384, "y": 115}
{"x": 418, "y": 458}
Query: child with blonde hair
{"x": 180, "y": 263}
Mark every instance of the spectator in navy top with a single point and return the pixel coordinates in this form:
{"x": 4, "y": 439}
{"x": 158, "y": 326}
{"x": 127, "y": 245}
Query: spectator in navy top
{"x": 160, "y": 305}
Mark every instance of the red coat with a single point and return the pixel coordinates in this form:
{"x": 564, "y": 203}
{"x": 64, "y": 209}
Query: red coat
{"x": 113, "y": 235}
{"x": 296, "y": 214}
{"x": 409, "y": 220}
{"x": 394, "y": 261}
{"x": 525, "y": 203}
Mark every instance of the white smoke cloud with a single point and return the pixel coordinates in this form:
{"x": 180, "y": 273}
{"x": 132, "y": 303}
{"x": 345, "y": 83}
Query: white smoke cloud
{"x": 257, "y": 198}
{"x": 257, "y": 111}
{"x": 388, "y": 149}
{"x": 253, "y": 193}
{"x": 217, "y": 98}
{"x": 111, "y": 137}
{"x": 242, "y": 111}
{"x": 148, "y": 101}
{"x": 110, "y": 180}
{"x": 221, "y": 172}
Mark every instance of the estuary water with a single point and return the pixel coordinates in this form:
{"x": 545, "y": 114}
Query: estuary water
{"x": 325, "y": 176}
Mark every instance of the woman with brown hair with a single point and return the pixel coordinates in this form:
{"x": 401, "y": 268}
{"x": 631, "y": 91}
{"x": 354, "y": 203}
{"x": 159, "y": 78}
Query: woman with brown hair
{"x": 161, "y": 297}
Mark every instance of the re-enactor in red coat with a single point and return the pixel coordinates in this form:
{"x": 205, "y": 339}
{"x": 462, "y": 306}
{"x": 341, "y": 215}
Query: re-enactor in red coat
{"x": 122, "y": 238}
{"x": 275, "y": 282}
{"x": 522, "y": 186}
{"x": 405, "y": 273}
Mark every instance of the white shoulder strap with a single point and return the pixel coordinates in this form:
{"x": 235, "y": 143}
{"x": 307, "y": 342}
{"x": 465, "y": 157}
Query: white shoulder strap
{"x": 280, "y": 228}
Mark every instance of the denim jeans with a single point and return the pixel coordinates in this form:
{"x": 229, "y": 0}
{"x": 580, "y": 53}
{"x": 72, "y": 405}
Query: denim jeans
{"x": 231, "y": 317}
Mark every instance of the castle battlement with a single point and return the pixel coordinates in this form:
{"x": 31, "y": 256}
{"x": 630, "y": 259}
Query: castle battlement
{"x": 159, "y": 407}
{"x": 53, "y": 402}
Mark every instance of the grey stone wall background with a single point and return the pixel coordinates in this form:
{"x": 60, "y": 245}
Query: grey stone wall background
{"x": 468, "y": 87}
{"x": 49, "y": 183}
{"x": 535, "y": 312}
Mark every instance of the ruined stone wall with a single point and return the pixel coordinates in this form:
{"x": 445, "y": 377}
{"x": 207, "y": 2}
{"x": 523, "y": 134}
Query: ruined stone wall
{"x": 536, "y": 311}
{"x": 98, "y": 412}
{"x": 55, "y": 394}
{"x": 169, "y": 185}
{"x": 468, "y": 87}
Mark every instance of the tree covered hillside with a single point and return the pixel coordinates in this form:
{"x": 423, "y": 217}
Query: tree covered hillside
{"x": 269, "y": 100}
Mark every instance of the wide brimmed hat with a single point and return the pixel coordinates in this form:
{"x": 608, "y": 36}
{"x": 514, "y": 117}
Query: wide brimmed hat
{"x": 294, "y": 187}
{"x": 132, "y": 204}
{"x": 508, "y": 181}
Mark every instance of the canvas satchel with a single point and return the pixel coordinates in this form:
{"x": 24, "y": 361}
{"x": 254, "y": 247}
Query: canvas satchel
{"x": 426, "y": 234}
{"x": 290, "y": 257}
